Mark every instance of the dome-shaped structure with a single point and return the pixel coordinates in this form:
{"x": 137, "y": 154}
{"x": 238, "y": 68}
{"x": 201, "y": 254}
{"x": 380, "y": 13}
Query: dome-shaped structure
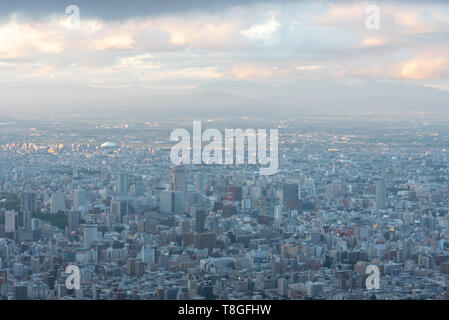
{"x": 108, "y": 145}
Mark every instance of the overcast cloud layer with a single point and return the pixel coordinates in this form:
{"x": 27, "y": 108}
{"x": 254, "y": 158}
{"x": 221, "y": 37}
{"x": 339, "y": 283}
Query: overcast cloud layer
{"x": 180, "y": 45}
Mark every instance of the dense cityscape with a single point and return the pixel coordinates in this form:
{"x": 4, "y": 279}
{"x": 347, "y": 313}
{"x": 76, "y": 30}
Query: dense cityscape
{"x": 223, "y": 158}
{"x": 103, "y": 195}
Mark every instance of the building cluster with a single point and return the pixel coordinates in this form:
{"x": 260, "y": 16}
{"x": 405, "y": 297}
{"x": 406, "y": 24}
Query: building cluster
{"x": 139, "y": 227}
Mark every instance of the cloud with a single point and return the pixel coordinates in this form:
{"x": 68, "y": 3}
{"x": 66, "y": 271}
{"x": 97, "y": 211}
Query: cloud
{"x": 123, "y": 41}
{"x": 308, "y": 67}
{"x": 250, "y": 40}
{"x": 18, "y": 40}
{"x": 262, "y": 32}
{"x": 422, "y": 66}
{"x": 343, "y": 12}
{"x": 204, "y": 33}
{"x": 252, "y": 71}
{"x": 142, "y": 61}
{"x": 209, "y": 72}
{"x": 374, "y": 41}
{"x": 425, "y": 67}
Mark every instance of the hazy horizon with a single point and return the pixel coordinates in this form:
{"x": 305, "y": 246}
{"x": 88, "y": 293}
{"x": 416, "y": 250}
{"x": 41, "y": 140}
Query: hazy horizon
{"x": 217, "y": 57}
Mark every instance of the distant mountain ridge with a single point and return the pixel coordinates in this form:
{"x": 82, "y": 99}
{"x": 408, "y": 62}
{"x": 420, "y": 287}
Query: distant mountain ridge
{"x": 229, "y": 98}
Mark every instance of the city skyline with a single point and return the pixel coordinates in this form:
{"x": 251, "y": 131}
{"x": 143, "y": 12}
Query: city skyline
{"x": 218, "y": 153}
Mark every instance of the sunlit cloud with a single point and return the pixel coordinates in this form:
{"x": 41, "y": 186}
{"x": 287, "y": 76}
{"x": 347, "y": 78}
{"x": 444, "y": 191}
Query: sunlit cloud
{"x": 123, "y": 41}
{"x": 262, "y": 32}
{"x": 252, "y": 72}
{"x": 374, "y": 41}
{"x": 424, "y": 66}
{"x": 249, "y": 42}
{"x": 308, "y": 67}
{"x": 185, "y": 73}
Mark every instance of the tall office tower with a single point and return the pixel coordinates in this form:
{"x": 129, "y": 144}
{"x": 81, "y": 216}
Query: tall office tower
{"x": 131, "y": 266}
{"x": 278, "y": 215}
{"x": 172, "y": 202}
{"x": 116, "y": 209}
{"x": 165, "y": 202}
{"x": 20, "y": 292}
{"x": 266, "y": 206}
{"x": 178, "y": 179}
{"x": 119, "y": 208}
{"x": 79, "y": 198}
{"x": 148, "y": 254}
{"x": 290, "y": 192}
{"x": 73, "y": 218}
{"x": 57, "y": 202}
{"x": 282, "y": 287}
{"x": 89, "y": 234}
{"x": 123, "y": 184}
{"x": 35, "y": 265}
{"x": 135, "y": 267}
{"x": 406, "y": 250}
{"x": 381, "y": 195}
{"x": 28, "y": 202}
{"x": 27, "y": 221}
{"x": 192, "y": 286}
{"x": 10, "y": 221}
{"x": 199, "y": 216}
{"x": 256, "y": 193}
{"x": 234, "y": 194}
{"x": 191, "y": 199}
{"x": 199, "y": 182}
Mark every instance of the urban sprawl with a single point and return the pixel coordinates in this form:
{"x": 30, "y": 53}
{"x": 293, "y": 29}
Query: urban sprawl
{"x": 106, "y": 198}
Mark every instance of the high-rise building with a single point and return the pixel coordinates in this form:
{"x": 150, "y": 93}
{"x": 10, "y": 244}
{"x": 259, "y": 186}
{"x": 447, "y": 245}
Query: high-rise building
{"x": 73, "y": 218}
{"x": 199, "y": 182}
{"x": 20, "y": 292}
{"x": 406, "y": 250}
{"x": 10, "y": 221}
{"x": 282, "y": 287}
{"x": 135, "y": 267}
{"x": 199, "y": 217}
{"x": 27, "y": 221}
{"x": 191, "y": 199}
{"x": 234, "y": 194}
{"x": 148, "y": 254}
{"x": 119, "y": 208}
{"x": 290, "y": 191}
{"x": 199, "y": 240}
{"x": 381, "y": 197}
{"x": 35, "y": 265}
{"x": 57, "y": 202}
{"x": 178, "y": 179}
{"x": 90, "y": 234}
{"x": 79, "y": 198}
{"x": 28, "y": 202}
{"x": 266, "y": 206}
{"x": 131, "y": 266}
{"x": 123, "y": 184}
{"x": 172, "y": 202}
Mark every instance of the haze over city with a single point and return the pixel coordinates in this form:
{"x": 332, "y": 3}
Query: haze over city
{"x": 224, "y": 150}
{"x": 293, "y": 55}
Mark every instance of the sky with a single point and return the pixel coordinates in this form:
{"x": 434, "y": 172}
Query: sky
{"x": 180, "y": 45}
